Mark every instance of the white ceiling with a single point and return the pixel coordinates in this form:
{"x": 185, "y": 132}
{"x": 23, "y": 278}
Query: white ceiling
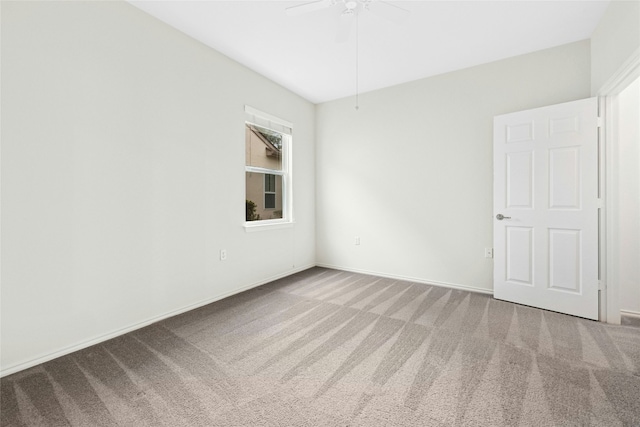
{"x": 301, "y": 52}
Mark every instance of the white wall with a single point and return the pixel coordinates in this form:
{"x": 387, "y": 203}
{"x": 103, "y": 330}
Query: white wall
{"x": 627, "y": 169}
{"x": 123, "y": 176}
{"x": 615, "y": 39}
{"x": 411, "y": 171}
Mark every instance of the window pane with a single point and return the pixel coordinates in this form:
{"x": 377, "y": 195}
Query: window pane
{"x": 263, "y": 147}
{"x": 260, "y": 203}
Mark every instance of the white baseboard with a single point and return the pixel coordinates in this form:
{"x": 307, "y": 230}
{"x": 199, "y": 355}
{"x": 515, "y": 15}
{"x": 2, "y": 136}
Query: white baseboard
{"x": 411, "y": 279}
{"x": 97, "y": 340}
{"x": 630, "y": 313}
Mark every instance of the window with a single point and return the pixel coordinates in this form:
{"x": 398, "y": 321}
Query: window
{"x": 267, "y": 166}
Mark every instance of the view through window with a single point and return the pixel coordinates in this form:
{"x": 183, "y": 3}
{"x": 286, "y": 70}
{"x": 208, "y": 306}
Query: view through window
{"x": 265, "y": 173}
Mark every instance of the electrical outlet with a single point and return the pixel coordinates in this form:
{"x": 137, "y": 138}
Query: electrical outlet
{"x": 357, "y": 241}
{"x": 223, "y": 254}
{"x": 488, "y": 252}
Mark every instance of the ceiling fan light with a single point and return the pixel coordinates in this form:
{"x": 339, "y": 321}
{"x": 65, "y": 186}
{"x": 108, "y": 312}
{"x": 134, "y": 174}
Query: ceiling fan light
{"x": 351, "y": 4}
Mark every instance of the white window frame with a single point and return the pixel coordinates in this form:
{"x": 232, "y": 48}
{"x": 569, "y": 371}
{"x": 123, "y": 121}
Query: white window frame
{"x": 264, "y": 120}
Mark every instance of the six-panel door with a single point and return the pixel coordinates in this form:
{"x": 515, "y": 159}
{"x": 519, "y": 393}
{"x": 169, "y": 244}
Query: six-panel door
{"x": 546, "y": 187}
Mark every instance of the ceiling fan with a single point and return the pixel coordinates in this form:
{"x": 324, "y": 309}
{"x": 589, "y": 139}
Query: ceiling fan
{"x": 351, "y": 8}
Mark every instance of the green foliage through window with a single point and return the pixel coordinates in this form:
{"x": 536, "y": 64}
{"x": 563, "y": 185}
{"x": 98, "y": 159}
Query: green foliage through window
{"x": 251, "y": 211}
{"x": 274, "y": 138}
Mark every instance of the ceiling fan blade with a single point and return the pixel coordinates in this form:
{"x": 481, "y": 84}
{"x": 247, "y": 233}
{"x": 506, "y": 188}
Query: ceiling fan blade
{"x": 344, "y": 28}
{"x": 309, "y": 7}
{"x": 388, "y": 11}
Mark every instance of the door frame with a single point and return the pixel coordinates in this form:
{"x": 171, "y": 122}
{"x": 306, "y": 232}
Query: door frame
{"x": 609, "y": 146}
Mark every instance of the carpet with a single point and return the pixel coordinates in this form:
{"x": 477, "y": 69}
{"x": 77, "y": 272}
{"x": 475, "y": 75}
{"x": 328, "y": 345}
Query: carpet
{"x": 331, "y": 348}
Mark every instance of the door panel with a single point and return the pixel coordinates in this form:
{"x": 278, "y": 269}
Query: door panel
{"x": 520, "y": 180}
{"x": 564, "y": 178}
{"x": 545, "y": 185}
{"x": 564, "y": 260}
{"x": 519, "y": 252}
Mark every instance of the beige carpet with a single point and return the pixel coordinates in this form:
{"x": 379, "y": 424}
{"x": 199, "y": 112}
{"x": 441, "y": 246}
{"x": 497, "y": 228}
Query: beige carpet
{"x": 329, "y": 348}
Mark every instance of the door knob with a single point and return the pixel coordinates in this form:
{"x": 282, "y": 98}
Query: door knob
{"x": 500, "y": 217}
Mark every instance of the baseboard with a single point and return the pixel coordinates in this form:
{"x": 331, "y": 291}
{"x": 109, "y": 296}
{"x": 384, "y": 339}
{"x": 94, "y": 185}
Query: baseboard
{"x": 42, "y": 359}
{"x": 411, "y": 279}
{"x": 630, "y": 313}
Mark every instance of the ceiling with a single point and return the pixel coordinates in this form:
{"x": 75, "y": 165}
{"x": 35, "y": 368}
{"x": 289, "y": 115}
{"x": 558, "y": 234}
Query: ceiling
{"x": 301, "y": 53}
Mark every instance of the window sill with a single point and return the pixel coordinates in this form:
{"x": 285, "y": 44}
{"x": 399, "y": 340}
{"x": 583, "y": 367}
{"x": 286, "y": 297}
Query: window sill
{"x": 253, "y": 226}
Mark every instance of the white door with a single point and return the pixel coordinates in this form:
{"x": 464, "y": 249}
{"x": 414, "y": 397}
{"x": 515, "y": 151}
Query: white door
{"x": 546, "y": 207}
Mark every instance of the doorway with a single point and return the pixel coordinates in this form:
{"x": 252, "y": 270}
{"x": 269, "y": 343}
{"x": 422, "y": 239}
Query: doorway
{"x": 626, "y": 168}
{"x": 618, "y": 190}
